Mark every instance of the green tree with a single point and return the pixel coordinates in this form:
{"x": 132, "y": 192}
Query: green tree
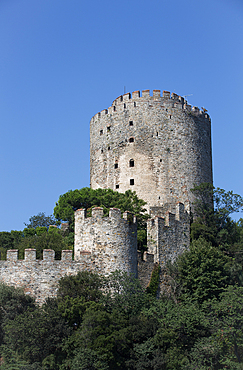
{"x": 179, "y": 326}
{"x": 212, "y": 209}
{"x": 13, "y": 302}
{"x": 85, "y": 284}
{"x": 46, "y": 240}
{"x": 203, "y": 271}
{"x": 106, "y": 198}
{"x": 41, "y": 220}
{"x": 228, "y": 325}
{"x": 36, "y": 335}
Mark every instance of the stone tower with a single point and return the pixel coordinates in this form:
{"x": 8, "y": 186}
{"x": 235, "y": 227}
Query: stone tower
{"x": 110, "y": 242}
{"x": 157, "y": 145}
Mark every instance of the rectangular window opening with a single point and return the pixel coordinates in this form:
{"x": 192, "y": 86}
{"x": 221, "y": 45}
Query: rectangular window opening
{"x": 117, "y": 186}
{"x": 130, "y": 123}
{"x": 131, "y": 163}
{"x": 131, "y": 181}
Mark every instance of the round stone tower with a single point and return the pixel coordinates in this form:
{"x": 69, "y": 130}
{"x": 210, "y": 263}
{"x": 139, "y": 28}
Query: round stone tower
{"x": 157, "y": 145}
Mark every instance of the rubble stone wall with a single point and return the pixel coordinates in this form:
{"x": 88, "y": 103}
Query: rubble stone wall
{"x": 112, "y": 241}
{"x": 168, "y": 236}
{"x": 40, "y": 278}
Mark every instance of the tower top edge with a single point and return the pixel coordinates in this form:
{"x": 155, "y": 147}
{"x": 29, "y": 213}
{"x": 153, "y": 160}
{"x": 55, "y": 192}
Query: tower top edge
{"x": 163, "y": 97}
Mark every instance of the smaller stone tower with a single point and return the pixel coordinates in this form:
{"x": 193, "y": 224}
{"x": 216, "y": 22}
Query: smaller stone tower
{"x": 168, "y": 234}
{"x": 110, "y": 241}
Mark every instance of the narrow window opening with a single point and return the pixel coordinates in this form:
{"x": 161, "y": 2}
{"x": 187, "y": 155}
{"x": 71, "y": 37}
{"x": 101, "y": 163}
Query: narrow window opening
{"x": 125, "y": 106}
{"x": 101, "y": 150}
{"x": 131, "y": 140}
{"x": 117, "y": 186}
{"x": 108, "y": 128}
{"x": 157, "y": 134}
{"x": 131, "y": 163}
{"x": 160, "y": 160}
{"x": 116, "y": 165}
{"x": 130, "y": 123}
{"x": 170, "y": 116}
{"x": 131, "y": 181}
{"x": 109, "y": 148}
{"x": 134, "y": 104}
{"x": 114, "y": 109}
{"x": 159, "y": 197}
{"x": 101, "y": 132}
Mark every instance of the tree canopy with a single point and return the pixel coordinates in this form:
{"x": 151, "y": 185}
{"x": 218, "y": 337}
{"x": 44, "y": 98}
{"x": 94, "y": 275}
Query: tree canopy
{"x": 41, "y": 220}
{"x": 105, "y": 198}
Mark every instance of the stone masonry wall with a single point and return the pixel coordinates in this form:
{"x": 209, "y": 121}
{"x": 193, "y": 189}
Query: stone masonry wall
{"x": 145, "y": 268}
{"x": 157, "y": 145}
{"x": 112, "y": 241}
{"x": 40, "y": 278}
{"x": 168, "y": 236}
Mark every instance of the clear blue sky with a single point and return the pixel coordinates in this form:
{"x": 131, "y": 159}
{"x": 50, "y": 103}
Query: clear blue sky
{"x": 62, "y": 61}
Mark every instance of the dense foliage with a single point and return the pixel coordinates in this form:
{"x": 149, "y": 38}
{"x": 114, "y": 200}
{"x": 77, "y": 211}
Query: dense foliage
{"x": 105, "y": 198}
{"x": 39, "y": 238}
{"x": 112, "y": 323}
{"x": 41, "y": 220}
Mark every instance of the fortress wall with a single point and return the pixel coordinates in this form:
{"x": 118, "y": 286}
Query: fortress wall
{"x": 168, "y": 142}
{"x": 102, "y": 245}
{"x": 168, "y": 237}
{"x": 40, "y": 278}
{"x": 112, "y": 241}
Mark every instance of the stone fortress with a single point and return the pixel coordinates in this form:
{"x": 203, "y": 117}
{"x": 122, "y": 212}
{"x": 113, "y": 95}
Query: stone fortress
{"x": 158, "y": 146}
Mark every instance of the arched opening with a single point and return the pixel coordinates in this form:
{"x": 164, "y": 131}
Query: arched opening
{"x": 131, "y": 163}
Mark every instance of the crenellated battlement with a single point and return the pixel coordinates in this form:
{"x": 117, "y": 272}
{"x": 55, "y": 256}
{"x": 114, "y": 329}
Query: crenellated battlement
{"x": 111, "y": 241}
{"x": 167, "y": 99}
{"x": 30, "y": 255}
{"x": 98, "y": 212}
{"x": 40, "y": 277}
